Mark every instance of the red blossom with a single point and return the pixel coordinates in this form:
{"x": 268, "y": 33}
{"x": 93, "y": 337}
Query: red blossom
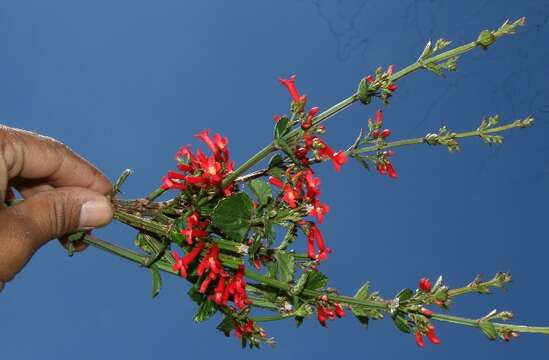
{"x": 425, "y": 285}
{"x": 419, "y": 339}
{"x": 370, "y": 79}
{"x": 392, "y": 87}
{"x": 308, "y": 122}
{"x": 276, "y": 182}
{"x": 339, "y": 310}
{"x": 290, "y": 196}
{"x": 432, "y": 336}
{"x": 318, "y": 210}
{"x": 386, "y": 133}
{"x": 315, "y": 237}
{"x": 379, "y": 117}
{"x": 290, "y": 85}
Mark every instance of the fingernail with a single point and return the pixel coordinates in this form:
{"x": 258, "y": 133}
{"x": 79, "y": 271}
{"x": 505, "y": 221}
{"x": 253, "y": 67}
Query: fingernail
{"x": 95, "y": 213}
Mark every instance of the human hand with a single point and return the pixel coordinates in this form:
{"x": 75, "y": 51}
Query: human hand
{"x": 62, "y": 193}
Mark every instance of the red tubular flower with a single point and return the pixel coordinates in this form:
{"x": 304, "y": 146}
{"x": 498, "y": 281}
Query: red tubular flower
{"x": 276, "y": 182}
{"x": 425, "y": 285}
{"x": 321, "y": 315}
{"x": 290, "y": 196}
{"x": 204, "y": 135}
{"x": 339, "y": 310}
{"x": 222, "y": 145}
{"x": 195, "y": 228}
{"x": 338, "y": 159}
{"x": 315, "y": 236}
{"x": 312, "y": 184}
{"x": 379, "y": 117}
{"x": 426, "y": 312}
{"x": 392, "y": 87}
{"x": 178, "y": 265}
{"x": 432, "y": 336}
{"x": 308, "y": 122}
{"x": 370, "y": 79}
{"x": 391, "y": 171}
{"x": 290, "y": 85}
{"x": 277, "y": 118}
{"x": 375, "y": 133}
{"x": 419, "y": 339}
{"x": 386, "y": 133}
{"x": 319, "y": 210}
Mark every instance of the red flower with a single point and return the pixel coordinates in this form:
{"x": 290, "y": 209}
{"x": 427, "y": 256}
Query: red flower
{"x": 432, "y": 335}
{"x": 391, "y": 171}
{"x": 195, "y": 228}
{"x": 338, "y": 159}
{"x": 290, "y": 196}
{"x": 181, "y": 264}
{"x": 370, "y": 79}
{"x": 426, "y": 312}
{"x": 321, "y": 315}
{"x": 392, "y": 87}
{"x": 318, "y": 210}
{"x": 385, "y": 133}
{"x": 204, "y": 135}
{"x": 308, "y": 122}
{"x": 276, "y": 182}
{"x": 419, "y": 339}
{"x": 312, "y": 184}
{"x": 290, "y": 85}
{"x": 277, "y": 118}
{"x": 425, "y": 285}
{"x": 379, "y": 117}
{"x": 339, "y": 310}
{"x": 315, "y": 236}
{"x": 386, "y": 168}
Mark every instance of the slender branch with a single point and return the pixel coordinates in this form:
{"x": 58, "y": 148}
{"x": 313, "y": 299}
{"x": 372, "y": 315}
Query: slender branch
{"x": 420, "y": 140}
{"x": 499, "y": 326}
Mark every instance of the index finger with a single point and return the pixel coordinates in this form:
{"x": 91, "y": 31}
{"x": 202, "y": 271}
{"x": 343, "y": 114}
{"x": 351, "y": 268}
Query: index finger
{"x": 29, "y": 156}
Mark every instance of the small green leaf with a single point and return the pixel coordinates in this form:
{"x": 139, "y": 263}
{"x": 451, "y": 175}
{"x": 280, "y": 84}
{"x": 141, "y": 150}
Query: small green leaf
{"x": 316, "y": 280}
{"x": 488, "y": 329}
{"x": 156, "y": 280}
{"x": 363, "y": 92}
{"x": 405, "y": 294}
{"x": 261, "y": 190}
{"x": 281, "y": 128}
{"x": 401, "y": 323}
{"x": 232, "y": 215}
{"x": 195, "y": 295}
{"x": 362, "y": 293}
{"x": 283, "y": 145}
{"x": 226, "y": 325}
{"x": 205, "y": 311}
{"x": 282, "y": 267}
{"x": 275, "y": 161}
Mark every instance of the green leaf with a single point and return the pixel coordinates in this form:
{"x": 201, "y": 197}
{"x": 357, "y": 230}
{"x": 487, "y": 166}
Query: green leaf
{"x": 363, "y": 92}
{"x": 261, "y": 190}
{"x": 405, "y": 294}
{"x": 195, "y": 295}
{"x": 283, "y": 145}
{"x": 205, "y": 311}
{"x": 362, "y": 293}
{"x": 401, "y": 323}
{"x": 275, "y": 161}
{"x": 156, "y": 280}
{"x": 285, "y": 265}
{"x": 316, "y": 280}
{"x": 226, "y": 325}
{"x": 488, "y": 329}
{"x": 281, "y": 128}
{"x": 232, "y": 215}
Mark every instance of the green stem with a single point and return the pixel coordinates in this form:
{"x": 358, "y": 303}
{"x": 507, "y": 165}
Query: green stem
{"x": 500, "y": 326}
{"x": 379, "y": 305}
{"x": 420, "y": 140}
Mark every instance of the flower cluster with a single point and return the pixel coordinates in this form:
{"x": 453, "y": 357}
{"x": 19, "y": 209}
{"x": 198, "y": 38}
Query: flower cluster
{"x": 198, "y": 170}
{"x": 328, "y": 311}
{"x": 301, "y": 187}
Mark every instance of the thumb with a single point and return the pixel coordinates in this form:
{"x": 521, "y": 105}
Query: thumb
{"x": 45, "y": 216}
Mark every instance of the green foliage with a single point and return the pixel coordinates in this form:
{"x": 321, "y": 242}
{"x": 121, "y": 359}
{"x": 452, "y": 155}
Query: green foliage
{"x": 156, "y": 280}
{"x": 232, "y": 215}
{"x": 282, "y": 267}
{"x": 261, "y": 190}
{"x": 205, "y": 311}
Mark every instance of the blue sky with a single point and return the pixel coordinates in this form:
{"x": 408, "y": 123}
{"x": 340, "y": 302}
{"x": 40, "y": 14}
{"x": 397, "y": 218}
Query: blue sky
{"x": 125, "y": 83}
